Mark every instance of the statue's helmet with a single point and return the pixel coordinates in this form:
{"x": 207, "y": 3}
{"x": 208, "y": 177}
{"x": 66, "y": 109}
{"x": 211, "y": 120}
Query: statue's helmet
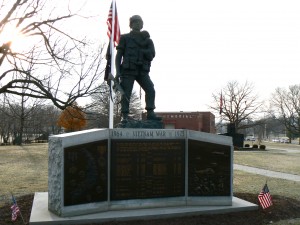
{"x": 134, "y": 18}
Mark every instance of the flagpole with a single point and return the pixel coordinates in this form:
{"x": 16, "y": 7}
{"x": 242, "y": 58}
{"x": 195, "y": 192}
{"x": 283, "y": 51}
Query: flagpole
{"x": 112, "y": 66}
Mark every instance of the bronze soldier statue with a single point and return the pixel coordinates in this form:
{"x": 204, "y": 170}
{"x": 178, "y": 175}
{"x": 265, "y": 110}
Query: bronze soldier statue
{"x": 135, "y": 52}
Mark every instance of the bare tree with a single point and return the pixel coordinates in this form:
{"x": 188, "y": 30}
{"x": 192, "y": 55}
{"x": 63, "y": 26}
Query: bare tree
{"x": 26, "y": 119}
{"x": 237, "y": 104}
{"x": 20, "y": 111}
{"x": 6, "y": 123}
{"x": 100, "y": 107}
{"x": 52, "y": 63}
{"x": 286, "y": 107}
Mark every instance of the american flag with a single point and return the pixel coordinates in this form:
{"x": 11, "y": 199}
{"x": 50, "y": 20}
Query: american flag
{"x": 110, "y": 21}
{"x": 15, "y": 209}
{"x": 265, "y": 198}
{"x": 116, "y": 38}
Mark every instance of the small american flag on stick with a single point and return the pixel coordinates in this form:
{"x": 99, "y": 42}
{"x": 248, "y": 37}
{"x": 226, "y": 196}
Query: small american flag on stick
{"x": 265, "y": 198}
{"x": 14, "y": 209}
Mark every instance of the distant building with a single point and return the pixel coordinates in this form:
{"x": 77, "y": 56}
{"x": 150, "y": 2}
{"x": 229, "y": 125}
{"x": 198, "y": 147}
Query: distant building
{"x": 198, "y": 121}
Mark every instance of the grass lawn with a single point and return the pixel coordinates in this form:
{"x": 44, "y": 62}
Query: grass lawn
{"x": 24, "y": 170}
{"x": 277, "y": 157}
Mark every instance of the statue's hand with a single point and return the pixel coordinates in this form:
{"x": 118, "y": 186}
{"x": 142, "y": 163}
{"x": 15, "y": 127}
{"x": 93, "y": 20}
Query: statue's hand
{"x": 117, "y": 78}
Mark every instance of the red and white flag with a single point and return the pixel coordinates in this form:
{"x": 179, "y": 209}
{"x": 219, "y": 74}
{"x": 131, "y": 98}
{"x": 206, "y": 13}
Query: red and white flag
{"x": 113, "y": 22}
{"x": 14, "y": 209}
{"x": 265, "y": 198}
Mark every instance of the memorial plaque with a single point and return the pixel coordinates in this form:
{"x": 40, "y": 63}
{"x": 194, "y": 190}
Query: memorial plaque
{"x": 143, "y": 169}
{"x": 85, "y": 172}
{"x": 209, "y": 169}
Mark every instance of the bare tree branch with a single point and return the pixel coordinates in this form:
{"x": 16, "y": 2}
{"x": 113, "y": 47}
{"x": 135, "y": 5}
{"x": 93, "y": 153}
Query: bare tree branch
{"x": 286, "y": 104}
{"x": 55, "y": 65}
{"x": 238, "y": 105}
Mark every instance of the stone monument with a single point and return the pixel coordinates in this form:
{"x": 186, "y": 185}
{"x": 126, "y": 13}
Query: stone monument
{"x": 117, "y": 169}
{"x": 138, "y": 165}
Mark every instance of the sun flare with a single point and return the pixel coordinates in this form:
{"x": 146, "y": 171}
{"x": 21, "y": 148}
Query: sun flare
{"x": 13, "y": 35}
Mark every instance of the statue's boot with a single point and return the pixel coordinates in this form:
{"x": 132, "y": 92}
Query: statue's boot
{"x": 152, "y": 116}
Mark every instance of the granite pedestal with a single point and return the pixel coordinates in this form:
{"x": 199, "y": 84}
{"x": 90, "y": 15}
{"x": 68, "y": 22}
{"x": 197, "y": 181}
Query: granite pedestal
{"x": 103, "y": 170}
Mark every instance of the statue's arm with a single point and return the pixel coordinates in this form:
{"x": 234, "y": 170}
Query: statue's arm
{"x": 119, "y": 56}
{"x": 118, "y": 61}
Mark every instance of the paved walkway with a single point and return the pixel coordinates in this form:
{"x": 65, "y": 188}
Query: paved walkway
{"x": 267, "y": 173}
{"x": 288, "y": 150}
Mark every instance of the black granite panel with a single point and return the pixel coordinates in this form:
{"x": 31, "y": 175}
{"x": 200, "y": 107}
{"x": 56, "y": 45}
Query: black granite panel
{"x": 209, "y": 169}
{"x": 143, "y": 169}
{"x": 85, "y": 171}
